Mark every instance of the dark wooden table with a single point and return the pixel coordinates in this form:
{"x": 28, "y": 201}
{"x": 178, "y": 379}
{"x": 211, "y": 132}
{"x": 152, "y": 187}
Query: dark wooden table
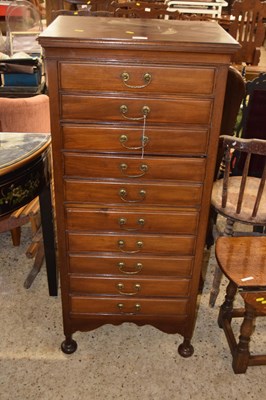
{"x": 25, "y": 174}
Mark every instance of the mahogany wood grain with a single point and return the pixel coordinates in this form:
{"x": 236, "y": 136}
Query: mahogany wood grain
{"x": 134, "y": 264}
{"x": 115, "y": 138}
{"x": 134, "y": 92}
{"x": 136, "y": 219}
{"x": 242, "y": 260}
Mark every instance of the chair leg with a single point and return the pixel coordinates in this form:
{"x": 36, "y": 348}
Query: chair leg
{"x": 228, "y": 231}
{"x": 215, "y": 286}
{"x": 15, "y": 234}
{"x": 227, "y": 306}
{"x": 39, "y": 258}
{"x": 241, "y": 355}
{"x": 209, "y": 235}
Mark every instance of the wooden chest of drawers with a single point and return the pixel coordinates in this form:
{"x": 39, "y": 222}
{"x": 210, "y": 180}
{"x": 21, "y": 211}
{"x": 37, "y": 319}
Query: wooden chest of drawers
{"x": 136, "y": 108}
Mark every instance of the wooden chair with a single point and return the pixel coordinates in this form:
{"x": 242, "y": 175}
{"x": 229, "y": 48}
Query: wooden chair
{"x": 251, "y": 124}
{"x": 253, "y": 121}
{"x": 29, "y": 115}
{"x": 40, "y": 7}
{"x": 239, "y": 198}
{"x": 243, "y": 261}
{"x": 81, "y": 13}
{"x": 248, "y": 29}
{"x": 91, "y": 5}
{"x": 140, "y": 9}
{"x": 234, "y": 95}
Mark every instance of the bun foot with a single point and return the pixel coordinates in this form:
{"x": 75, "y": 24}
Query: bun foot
{"x": 186, "y": 349}
{"x": 69, "y": 346}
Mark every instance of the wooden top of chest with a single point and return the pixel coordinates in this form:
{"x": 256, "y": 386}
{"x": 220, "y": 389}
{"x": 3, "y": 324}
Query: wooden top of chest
{"x": 139, "y": 34}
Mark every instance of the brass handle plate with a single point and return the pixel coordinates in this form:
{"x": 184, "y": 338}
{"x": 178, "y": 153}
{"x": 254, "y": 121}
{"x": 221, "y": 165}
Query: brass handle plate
{"x": 123, "y": 221}
{"x": 147, "y": 78}
{"x": 124, "y": 139}
{"x": 122, "y": 245}
{"x": 124, "y": 110}
{"x": 120, "y": 288}
{"x": 123, "y": 196}
{"x": 123, "y": 268}
{"x": 143, "y": 168}
{"x": 121, "y": 307}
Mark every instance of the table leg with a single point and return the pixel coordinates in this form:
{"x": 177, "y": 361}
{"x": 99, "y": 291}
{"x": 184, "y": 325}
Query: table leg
{"x": 49, "y": 239}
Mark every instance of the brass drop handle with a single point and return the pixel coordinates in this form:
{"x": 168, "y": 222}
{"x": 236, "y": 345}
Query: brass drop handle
{"x": 145, "y": 111}
{"x": 123, "y": 196}
{"x": 122, "y": 268}
{"x": 120, "y": 288}
{"x": 146, "y": 78}
{"x": 122, "y": 245}
{"x": 143, "y": 168}
{"x": 122, "y": 222}
{"x": 124, "y": 139}
{"x": 121, "y": 306}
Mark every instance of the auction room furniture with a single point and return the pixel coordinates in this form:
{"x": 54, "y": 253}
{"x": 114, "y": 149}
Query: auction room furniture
{"x": 253, "y": 121}
{"x": 137, "y": 106}
{"x": 251, "y": 124}
{"x": 136, "y": 9}
{"x": 243, "y": 261}
{"x": 234, "y": 95}
{"x": 248, "y": 28}
{"x": 24, "y": 174}
{"x": 24, "y": 115}
{"x": 239, "y": 198}
{"x": 212, "y": 8}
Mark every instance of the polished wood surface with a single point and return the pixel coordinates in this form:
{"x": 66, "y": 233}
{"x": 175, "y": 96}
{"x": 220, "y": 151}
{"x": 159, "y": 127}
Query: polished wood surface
{"x": 242, "y": 260}
{"x": 239, "y": 198}
{"x": 141, "y": 35}
{"x": 135, "y": 124}
{"x": 135, "y": 9}
{"x": 247, "y": 26}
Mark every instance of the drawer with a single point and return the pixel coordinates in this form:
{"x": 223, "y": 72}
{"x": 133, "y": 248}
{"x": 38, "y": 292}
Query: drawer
{"x": 183, "y": 110}
{"x": 93, "y": 166}
{"x": 129, "y": 265}
{"x": 133, "y": 286}
{"x": 127, "y": 139}
{"x": 108, "y": 77}
{"x": 132, "y": 220}
{"x": 132, "y": 244}
{"x": 120, "y": 305}
{"x": 159, "y": 193}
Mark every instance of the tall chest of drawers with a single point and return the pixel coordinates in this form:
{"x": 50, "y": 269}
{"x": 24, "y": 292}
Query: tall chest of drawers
{"x": 135, "y": 114}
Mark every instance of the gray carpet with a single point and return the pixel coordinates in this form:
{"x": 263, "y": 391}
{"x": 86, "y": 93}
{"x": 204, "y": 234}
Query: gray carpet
{"x": 125, "y": 362}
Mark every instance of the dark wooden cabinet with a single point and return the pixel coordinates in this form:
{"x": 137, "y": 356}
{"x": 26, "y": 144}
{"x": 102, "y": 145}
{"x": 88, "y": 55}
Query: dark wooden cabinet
{"x": 136, "y": 108}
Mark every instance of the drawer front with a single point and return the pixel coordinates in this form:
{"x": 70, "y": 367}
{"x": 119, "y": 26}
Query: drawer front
{"x": 119, "y": 109}
{"x": 126, "y": 139}
{"x": 150, "y": 79}
{"x": 183, "y": 169}
{"x": 132, "y": 220}
{"x": 130, "y": 265}
{"x": 120, "y": 305}
{"x": 129, "y": 286}
{"x": 161, "y": 193}
{"x": 132, "y": 244}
